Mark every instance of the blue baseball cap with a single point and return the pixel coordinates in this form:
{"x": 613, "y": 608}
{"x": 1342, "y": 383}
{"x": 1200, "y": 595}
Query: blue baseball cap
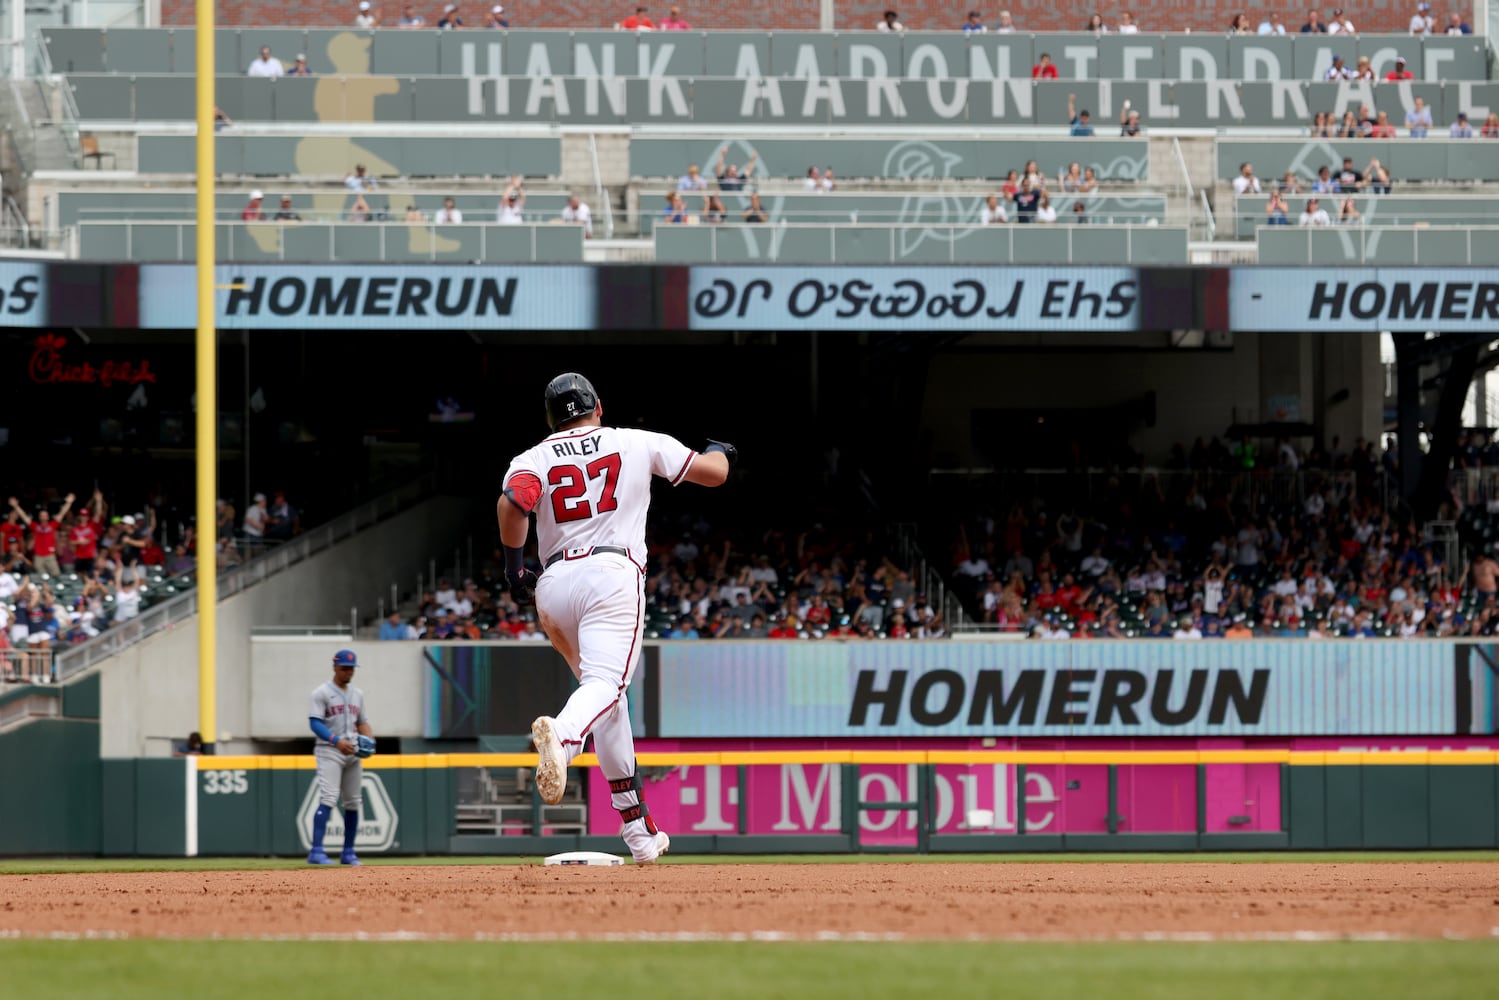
{"x": 345, "y": 658}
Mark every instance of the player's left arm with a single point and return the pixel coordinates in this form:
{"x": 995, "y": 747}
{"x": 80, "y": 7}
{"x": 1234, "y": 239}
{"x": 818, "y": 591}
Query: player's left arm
{"x": 677, "y": 463}
{"x": 709, "y": 468}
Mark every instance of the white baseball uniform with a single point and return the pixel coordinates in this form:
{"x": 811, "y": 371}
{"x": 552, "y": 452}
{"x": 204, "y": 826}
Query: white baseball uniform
{"x": 595, "y": 490}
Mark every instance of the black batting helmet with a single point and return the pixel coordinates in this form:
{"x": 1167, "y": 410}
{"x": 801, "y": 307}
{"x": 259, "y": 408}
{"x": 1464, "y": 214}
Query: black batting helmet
{"x": 568, "y": 397}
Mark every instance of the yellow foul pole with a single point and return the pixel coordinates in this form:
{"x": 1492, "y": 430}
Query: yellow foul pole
{"x": 208, "y": 404}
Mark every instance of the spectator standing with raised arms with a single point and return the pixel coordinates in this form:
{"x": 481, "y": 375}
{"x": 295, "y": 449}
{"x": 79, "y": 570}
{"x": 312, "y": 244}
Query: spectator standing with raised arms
{"x": 44, "y": 535}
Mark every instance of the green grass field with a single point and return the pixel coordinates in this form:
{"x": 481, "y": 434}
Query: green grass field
{"x": 151, "y": 970}
{"x": 39, "y": 866}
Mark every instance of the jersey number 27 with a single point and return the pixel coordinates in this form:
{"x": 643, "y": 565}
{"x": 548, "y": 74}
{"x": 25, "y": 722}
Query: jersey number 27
{"x": 569, "y": 486}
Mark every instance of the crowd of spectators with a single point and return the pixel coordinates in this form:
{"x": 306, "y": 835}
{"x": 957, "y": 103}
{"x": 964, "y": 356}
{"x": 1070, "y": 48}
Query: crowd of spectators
{"x": 367, "y": 16}
{"x": 811, "y": 585}
{"x": 1214, "y": 547}
{"x": 1368, "y": 123}
{"x": 70, "y": 570}
{"x": 1346, "y": 182}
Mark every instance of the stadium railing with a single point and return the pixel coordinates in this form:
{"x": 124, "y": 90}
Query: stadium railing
{"x": 861, "y": 244}
{"x": 1377, "y": 210}
{"x": 931, "y": 207}
{"x": 351, "y": 241}
{"x": 1383, "y": 245}
{"x": 314, "y": 203}
{"x": 1463, "y": 161}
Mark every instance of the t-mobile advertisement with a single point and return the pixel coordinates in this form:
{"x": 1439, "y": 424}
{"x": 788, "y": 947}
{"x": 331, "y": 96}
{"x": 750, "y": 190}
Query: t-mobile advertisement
{"x": 802, "y": 799}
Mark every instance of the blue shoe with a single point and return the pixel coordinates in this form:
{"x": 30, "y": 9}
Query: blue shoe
{"x": 350, "y": 858}
{"x": 317, "y": 857}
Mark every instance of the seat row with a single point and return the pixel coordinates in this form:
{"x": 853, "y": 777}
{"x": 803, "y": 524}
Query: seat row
{"x": 706, "y": 101}
{"x": 1376, "y": 209}
{"x": 926, "y": 208}
{"x": 915, "y": 54}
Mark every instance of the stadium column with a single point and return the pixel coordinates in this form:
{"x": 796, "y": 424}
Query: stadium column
{"x": 17, "y": 38}
{"x": 207, "y": 390}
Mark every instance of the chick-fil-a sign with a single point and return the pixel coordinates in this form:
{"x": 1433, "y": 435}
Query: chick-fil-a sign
{"x": 48, "y": 366}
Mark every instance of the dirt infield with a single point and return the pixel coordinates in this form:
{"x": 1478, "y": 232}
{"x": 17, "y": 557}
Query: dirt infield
{"x": 930, "y": 900}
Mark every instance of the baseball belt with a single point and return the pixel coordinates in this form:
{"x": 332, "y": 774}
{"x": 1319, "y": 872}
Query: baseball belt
{"x": 612, "y": 550}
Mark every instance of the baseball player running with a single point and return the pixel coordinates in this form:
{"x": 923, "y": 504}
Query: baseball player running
{"x": 344, "y": 740}
{"x": 590, "y": 487}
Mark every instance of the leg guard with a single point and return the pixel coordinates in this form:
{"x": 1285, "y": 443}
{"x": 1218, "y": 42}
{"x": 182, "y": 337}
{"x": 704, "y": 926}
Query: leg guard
{"x": 628, "y": 798}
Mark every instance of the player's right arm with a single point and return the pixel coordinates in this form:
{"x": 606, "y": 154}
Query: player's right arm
{"x": 521, "y": 494}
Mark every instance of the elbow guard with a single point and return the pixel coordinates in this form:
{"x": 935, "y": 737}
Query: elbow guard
{"x": 524, "y": 490}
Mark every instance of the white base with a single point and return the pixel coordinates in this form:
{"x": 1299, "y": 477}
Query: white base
{"x": 588, "y": 858}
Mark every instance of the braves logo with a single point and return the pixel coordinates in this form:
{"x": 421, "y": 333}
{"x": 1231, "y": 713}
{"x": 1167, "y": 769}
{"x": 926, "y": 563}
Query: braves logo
{"x": 920, "y": 213}
{"x": 1311, "y": 158}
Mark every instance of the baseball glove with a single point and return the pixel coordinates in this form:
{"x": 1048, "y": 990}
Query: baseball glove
{"x": 366, "y": 746}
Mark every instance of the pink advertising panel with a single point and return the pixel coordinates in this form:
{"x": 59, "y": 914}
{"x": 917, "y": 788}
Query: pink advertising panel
{"x": 808, "y": 799}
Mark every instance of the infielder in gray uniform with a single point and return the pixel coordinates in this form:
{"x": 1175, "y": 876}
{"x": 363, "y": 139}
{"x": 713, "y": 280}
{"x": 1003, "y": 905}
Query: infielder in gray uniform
{"x": 344, "y": 739}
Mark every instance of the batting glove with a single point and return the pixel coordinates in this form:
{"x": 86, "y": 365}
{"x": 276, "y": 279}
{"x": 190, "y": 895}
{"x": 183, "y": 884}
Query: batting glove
{"x": 522, "y": 586}
{"x": 729, "y": 451}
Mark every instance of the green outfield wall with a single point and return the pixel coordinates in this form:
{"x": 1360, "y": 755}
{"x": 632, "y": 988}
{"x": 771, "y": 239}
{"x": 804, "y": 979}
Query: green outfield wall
{"x": 262, "y": 806}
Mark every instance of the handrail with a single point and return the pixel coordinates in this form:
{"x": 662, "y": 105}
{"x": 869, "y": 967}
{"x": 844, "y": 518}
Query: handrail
{"x": 1181, "y": 164}
{"x": 928, "y": 579}
{"x": 68, "y": 123}
{"x": 601, "y": 196}
{"x": 1186, "y": 179}
{"x": 180, "y": 609}
{"x": 1207, "y": 209}
{"x": 11, "y": 211}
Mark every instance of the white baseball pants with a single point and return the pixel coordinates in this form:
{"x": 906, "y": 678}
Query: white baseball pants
{"x": 593, "y": 610}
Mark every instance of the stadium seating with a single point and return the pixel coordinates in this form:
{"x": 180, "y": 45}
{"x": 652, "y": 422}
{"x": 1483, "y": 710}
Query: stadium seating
{"x": 313, "y": 203}
{"x": 917, "y": 128}
{"x": 597, "y": 100}
{"x": 868, "y": 244}
{"x": 1456, "y": 160}
{"x": 388, "y": 155}
{"x": 1380, "y": 210}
